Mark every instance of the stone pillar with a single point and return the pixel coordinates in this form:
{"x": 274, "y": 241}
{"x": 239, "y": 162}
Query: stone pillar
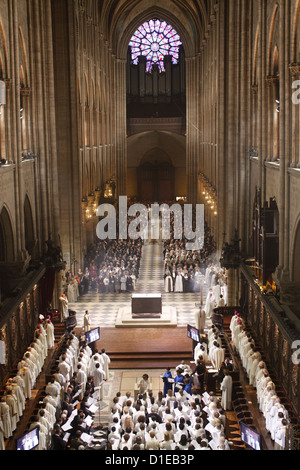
{"x": 295, "y": 74}
{"x": 121, "y": 144}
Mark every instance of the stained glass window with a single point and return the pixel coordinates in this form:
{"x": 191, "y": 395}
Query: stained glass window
{"x": 155, "y": 39}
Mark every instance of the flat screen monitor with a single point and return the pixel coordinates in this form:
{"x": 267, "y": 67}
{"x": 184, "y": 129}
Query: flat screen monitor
{"x": 250, "y": 437}
{"x": 29, "y": 441}
{"x": 193, "y": 333}
{"x": 92, "y": 335}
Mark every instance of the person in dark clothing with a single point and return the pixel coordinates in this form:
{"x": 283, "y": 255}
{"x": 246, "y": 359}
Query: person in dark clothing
{"x": 200, "y": 371}
{"x": 58, "y": 442}
{"x": 226, "y": 365}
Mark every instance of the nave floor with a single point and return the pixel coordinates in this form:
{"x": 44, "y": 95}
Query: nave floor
{"x": 104, "y": 308}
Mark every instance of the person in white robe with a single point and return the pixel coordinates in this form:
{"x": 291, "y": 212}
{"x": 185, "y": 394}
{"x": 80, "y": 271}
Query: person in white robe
{"x": 25, "y": 374}
{"x": 217, "y": 357}
{"x": 65, "y": 369}
{"x": 13, "y": 409}
{"x": 253, "y": 368}
{"x": 21, "y": 383}
{"x": 179, "y": 281}
{"x": 209, "y": 305}
{"x": 42, "y": 434}
{"x": 221, "y": 302}
{"x": 63, "y": 307}
{"x": 17, "y": 392}
{"x": 226, "y": 388}
{"x": 200, "y": 350}
{"x": 144, "y": 384}
{"x": 216, "y": 289}
{"x": 106, "y": 363}
{"x": 99, "y": 376}
{"x": 86, "y": 321}
{"x": 276, "y": 421}
{"x": 2, "y": 443}
{"x": 6, "y": 418}
{"x": 49, "y": 327}
{"x": 81, "y": 380}
{"x": 71, "y": 293}
{"x": 32, "y": 366}
{"x": 280, "y": 436}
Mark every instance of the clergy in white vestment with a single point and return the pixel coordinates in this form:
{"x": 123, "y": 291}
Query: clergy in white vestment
{"x": 10, "y": 400}
{"x": 254, "y": 367}
{"x": 200, "y": 350}
{"x": 71, "y": 293}
{"x": 221, "y": 302}
{"x": 226, "y": 387}
{"x": 25, "y": 373}
{"x": 106, "y": 362}
{"x": 63, "y": 307}
{"x": 49, "y": 327}
{"x": 99, "y": 377}
{"x": 217, "y": 357}
{"x": 86, "y": 321}
{"x": 6, "y": 418}
{"x": 276, "y": 422}
{"x": 179, "y": 281}
{"x": 259, "y": 373}
{"x": 280, "y": 436}
{"x": 2, "y": 443}
{"x": 209, "y": 305}
{"x": 81, "y": 380}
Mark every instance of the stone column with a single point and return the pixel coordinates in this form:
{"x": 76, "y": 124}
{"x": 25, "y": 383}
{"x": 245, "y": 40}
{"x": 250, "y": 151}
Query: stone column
{"x": 16, "y": 127}
{"x": 295, "y": 74}
{"x": 282, "y": 136}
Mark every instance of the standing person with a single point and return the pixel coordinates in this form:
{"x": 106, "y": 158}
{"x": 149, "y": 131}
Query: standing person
{"x": 200, "y": 371}
{"x": 179, "y": 381}
{"x": 49, "y": 327}
{"x": 99, "y": 377}
{"x": 167, "y": 385}
{"x": 106, "y": 362}
{"x": 86, "y": 321}
{"x": 144, "y": 384}
{"x": 63, "y": 307}
{"x": 209, "y": 305}
{"x": 226, "y": 387}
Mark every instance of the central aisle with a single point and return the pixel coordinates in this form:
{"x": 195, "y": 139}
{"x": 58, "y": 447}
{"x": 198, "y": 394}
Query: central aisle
{"x": 104, "y": 308}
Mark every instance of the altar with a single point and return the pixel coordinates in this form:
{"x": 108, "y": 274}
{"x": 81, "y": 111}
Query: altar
{"x": 146, "y": 305}
{"x": 146, "y": 310}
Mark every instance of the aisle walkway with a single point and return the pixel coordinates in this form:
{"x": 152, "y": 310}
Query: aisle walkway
{"x": 104, "y": 308}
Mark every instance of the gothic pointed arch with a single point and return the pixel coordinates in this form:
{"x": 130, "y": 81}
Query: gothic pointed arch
{"x": 6, "y": 237}
{"x": 29, "y": 227}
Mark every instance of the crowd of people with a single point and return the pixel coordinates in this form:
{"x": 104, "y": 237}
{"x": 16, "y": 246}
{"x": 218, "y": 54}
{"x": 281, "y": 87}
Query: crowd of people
{"x": 185, "y": 270}
{"x": 77, "y": 385}
{"x": 274, "y": 412}
{"x": 184, "y": 420}
{"x": 111, "y": 266}
{"x": 18, "y": 388}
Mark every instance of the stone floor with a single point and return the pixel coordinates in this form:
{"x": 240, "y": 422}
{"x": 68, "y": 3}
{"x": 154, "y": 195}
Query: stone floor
{"x": 104, "y": 308}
